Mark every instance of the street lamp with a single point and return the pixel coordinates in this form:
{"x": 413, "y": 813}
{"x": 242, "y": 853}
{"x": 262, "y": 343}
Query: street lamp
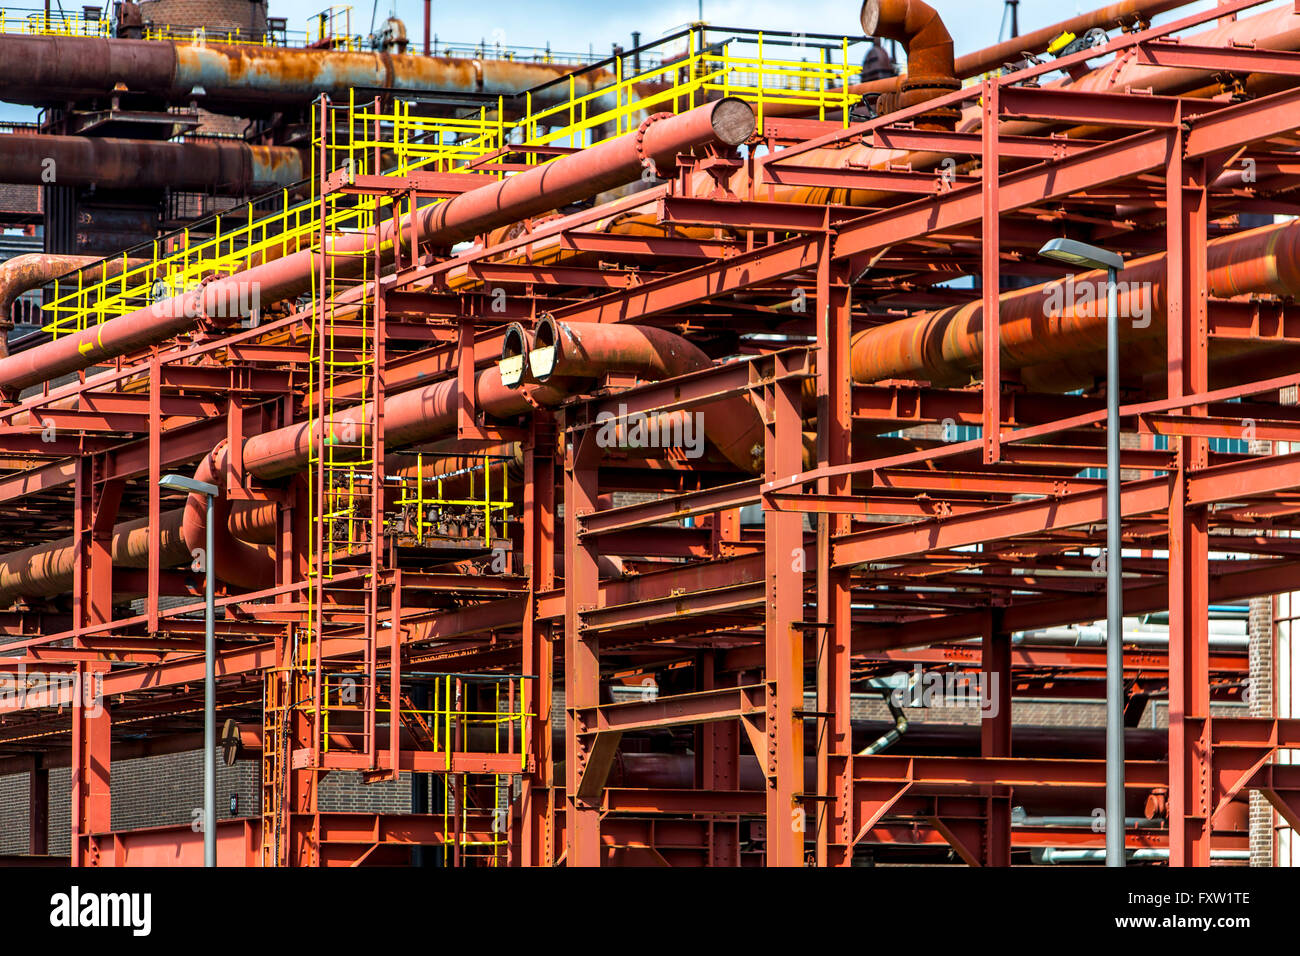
{"x": 1081, "y": 254}
{"x": 209, "y": 491}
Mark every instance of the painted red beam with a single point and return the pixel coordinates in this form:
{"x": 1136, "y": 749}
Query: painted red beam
{"x": 925, "y": 773}
{"x": 724, "y": 703}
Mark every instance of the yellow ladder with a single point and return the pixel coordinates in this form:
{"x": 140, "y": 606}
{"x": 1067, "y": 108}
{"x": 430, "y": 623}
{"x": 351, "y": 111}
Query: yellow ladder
{"x": 275, "y": 767}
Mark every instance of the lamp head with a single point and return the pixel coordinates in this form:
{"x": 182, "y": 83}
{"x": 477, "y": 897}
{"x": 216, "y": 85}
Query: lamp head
{"x": 181, "y": 483}
{"x": 1076, "y": 253}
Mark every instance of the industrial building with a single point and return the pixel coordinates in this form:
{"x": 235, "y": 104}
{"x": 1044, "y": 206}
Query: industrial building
{"x": 543, "y": 459}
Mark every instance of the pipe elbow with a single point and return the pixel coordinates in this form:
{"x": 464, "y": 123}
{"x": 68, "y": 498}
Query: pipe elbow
{"x": 931, "y": 65}
{"x": 236, "y": 562}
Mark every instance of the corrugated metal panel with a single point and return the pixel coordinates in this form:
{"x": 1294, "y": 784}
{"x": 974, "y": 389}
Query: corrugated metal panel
{"x": 11, "y": 246}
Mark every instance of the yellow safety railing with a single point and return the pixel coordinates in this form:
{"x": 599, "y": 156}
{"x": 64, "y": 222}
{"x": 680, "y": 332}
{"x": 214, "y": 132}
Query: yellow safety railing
{"x": 445, "y": 723}
{"x": 245, "y": 237}
{"x": 40, "y": 23}
{"x": 422, "y": 493}
{"x": 405, "y": 140}
{"x": 585, "y": 118}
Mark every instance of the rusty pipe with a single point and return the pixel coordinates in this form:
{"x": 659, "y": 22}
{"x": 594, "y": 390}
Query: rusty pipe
{"x": 722, "y": 124}
{"x": 410, "y": 417}
{"x": 45, "y": 570}
{"x": 231, "y": 167}
{"x": 931, "y": 70}
{"x": 42, "y": 70}
{"x": 427, "y": 412}
{"x": 31, "y": 271}
{"x": 1276, "y": 29}
{"x": 993, "y": 57}
{"x": 920, "y": 29}
{"x": 656, "y": 143}
{"x": 1049, "y": 322}
{"x": 569, "y": 350}
{"x": 1036, "y": 41}
{"x": 234, "y": 561}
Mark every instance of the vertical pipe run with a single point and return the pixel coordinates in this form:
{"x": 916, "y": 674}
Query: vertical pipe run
{"x": 1114, "y": 593}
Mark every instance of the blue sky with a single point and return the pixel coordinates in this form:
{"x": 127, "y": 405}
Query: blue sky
{"x": 576, "y": 25}
{"x": 573, "y": 24}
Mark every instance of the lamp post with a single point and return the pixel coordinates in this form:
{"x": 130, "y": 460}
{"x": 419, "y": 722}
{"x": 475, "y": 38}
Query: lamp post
{"x": 1081, "y": 254}
{"x": 209, "y": 491}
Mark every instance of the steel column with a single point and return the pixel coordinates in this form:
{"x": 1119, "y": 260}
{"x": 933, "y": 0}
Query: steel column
{"x": 91, "y": 762}
{"x": 995, "y": 737}
{"x": 1189, "y": 752}
{"x": 834, "y": 637}
{"x": 581, "y": 654}
{"x": 784, "y": 564}
{"x": 537, "y": 793}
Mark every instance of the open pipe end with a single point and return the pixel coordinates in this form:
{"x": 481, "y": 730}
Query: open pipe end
{"x": 733, "y": 120}
{"x": 544, "y": 355}
{"x": 514, "y": 352}
{"x": 870, "y": 17}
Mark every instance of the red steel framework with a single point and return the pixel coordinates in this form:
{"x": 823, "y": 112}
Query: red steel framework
{"x": 811, "y": 285}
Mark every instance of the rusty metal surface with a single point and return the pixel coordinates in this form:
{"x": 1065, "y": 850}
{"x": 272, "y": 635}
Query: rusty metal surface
{"x": 41, "y": 69}
{"x": 228, "y": 167}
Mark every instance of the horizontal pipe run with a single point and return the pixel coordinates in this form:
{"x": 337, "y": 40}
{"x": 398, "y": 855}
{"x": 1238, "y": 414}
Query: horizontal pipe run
{"x": 659, "y": 141}
{"x": 46, "y": 570}
{"x": 33, "y": 270}
{"x": 585, "y": 350}
{"x": 1066, "y": 317}
{"x": 41, "y": 70}
{"x": 228, "y": 166}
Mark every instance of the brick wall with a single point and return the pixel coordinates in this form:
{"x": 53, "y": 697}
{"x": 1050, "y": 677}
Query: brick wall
{"x": 215, "y": 15}
{"x": 18, "y": 198}
{"x": 1261, "y": 705}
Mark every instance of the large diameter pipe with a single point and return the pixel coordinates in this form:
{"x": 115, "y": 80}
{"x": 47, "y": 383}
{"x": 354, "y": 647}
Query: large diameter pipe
{"x": 236, "y": 562}
{"x": 33, "y": 270}
{"x": 993, "y": 57}
{"x": 228, "y": 166}
{"x": 920, "y": 29}
{"x": 424, "y": 413}
{"x": 46, "y": 570}
{"x": 1050, "y": 322}
{"x": 585, "y": 350}
{"x": 38, "y": 70}
{"x": 1277, "y": 29}
{"x": 931, "y": 71}
{"x": 617, "y": 162}
{"x": 410, "y": 417}
{"x": 723, "y": 124}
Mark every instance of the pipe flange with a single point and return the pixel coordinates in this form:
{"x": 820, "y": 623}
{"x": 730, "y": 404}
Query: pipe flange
{"x": 910, "y": 83}
{"x": 648, "y": 161}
